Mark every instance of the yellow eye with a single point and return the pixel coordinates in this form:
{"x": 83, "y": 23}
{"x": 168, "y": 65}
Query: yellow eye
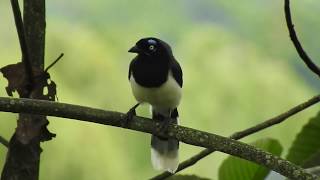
{"x": 151, "y": 47}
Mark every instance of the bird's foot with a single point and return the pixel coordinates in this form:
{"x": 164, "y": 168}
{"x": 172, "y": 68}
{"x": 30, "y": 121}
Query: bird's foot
{"x": 164, "y": 125}
{"x": 129, "y": 115}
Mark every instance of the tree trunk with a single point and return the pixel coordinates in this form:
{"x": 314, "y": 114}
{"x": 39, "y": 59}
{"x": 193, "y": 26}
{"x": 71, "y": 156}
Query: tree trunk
{"x": 23, "y": 157}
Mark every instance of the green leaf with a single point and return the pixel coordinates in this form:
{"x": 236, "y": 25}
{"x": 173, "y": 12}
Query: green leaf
{"x": 234, "y": 168}
{"x": 312, "y": 161}
{"x": 307, "y": 142}
{"x": 187, "y": 177}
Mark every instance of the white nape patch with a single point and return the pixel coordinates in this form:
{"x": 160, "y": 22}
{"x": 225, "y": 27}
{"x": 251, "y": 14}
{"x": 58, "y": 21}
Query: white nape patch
{"x": 168, "y": 95}
{"x": 151, "y": 41}
{"x": 162, "y": 162}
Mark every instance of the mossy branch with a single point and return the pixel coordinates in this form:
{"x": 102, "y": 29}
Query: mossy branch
{"x": 183, "y": 134}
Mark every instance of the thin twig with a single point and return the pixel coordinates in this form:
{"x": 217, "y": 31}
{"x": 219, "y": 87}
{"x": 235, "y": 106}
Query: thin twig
{"x": 23, "y": 43}
{"x": 54, "y": 62}
{"x": 303, "y": 55}
{"x": 183, "y": 134}
{"x": 238, "y": 135}
{"x": 20, "y": 28}
{"x": 276, "y": 120}
{"x": 4, "y": 142}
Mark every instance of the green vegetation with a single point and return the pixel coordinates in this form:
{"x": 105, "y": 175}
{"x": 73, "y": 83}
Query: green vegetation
{"x": 234, "y": 168}
{"x": 305, "y": 148}
{"x": 239, "y": 69}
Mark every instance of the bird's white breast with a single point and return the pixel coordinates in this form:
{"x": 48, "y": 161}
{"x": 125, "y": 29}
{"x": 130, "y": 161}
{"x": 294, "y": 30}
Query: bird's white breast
{"x": 167, "y": 95}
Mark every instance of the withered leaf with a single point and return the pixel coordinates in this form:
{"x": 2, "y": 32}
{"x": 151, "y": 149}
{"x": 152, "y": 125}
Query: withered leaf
{"x": 15, "y": 74}
{"x": 30, "y": 126}
{"x": 18, "y": 81}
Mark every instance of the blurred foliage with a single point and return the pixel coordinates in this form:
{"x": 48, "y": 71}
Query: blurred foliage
{"x": 239, "y": 68}
{"x": 234, "y": 168}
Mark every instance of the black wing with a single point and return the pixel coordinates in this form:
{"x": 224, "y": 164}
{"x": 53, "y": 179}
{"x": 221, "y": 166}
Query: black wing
{"x": 130, "y": 67}
{"x": 177, "y": 72}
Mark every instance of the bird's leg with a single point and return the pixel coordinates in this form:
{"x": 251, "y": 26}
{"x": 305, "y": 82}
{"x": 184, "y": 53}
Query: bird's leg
{"x": 128, "y": 117}
{"x": 165, "y": 122}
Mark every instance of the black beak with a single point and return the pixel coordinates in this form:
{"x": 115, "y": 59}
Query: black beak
{"x": 134, "y": 49}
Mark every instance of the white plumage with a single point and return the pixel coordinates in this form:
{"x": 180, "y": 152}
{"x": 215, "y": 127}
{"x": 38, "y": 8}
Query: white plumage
{"x": 164, "y": 162}
{"x": 168, "y": 95}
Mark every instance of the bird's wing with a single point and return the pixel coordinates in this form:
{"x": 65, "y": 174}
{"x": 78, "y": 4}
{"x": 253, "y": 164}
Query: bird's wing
{"x": 130, "y": 67}
{"x": 177, "y": 72}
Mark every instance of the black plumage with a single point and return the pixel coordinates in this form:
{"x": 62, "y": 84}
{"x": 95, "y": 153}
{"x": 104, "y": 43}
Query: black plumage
{"x": 151, "y": 69}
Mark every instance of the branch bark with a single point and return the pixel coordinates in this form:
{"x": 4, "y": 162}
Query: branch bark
{"x": 314, "y": 170}
{"x": 34, "y": 18}
{"x": 294, "y": 38}
{"x": 184, "y": 134}
{"x": 241, "y": 134}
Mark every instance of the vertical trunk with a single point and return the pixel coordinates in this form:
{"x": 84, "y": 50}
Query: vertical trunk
{"x": 23, "y": 157}
{"x": 34, "y": 25}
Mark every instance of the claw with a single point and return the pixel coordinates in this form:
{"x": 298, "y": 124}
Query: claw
{"x": 128, "y": 117}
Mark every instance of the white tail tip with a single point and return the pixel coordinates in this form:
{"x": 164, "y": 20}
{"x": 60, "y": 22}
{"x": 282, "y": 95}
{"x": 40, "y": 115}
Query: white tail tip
{"x": 165, "y": 162}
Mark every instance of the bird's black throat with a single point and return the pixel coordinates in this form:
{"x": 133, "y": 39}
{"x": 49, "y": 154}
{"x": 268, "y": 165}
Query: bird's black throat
{"x": 150, "y": 71}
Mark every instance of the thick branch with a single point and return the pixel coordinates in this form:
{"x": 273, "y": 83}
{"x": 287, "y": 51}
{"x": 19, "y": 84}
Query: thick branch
{"x": 4, "y": 142}
{"x": 35, "y": 26}
{"x": 184, "y": 134}
{"x": 238, "y": 135}
{"x": 303, "y": 55}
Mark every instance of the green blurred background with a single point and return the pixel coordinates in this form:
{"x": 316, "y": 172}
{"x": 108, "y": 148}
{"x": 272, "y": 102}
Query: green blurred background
{"x": 239, "y": 65}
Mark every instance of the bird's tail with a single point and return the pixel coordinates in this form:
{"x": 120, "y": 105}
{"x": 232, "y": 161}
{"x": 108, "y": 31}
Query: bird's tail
{"x": 164, "y": 151}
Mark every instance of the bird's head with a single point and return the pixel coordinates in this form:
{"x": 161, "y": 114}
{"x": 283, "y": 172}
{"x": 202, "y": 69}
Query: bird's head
{"x": 151, "y": 47}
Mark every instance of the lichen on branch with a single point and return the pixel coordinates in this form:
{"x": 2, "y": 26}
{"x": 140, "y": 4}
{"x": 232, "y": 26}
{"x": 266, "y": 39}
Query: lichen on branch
{"x": 183, "y": 134}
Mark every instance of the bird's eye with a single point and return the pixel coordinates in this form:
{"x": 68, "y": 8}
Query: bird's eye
{"x": 151, "y": 47}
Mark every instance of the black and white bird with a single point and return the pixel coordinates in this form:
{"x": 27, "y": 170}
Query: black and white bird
{"x": 156, "y": 78}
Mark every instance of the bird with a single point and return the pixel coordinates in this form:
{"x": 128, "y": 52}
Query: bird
{"x": 155, "y": 77}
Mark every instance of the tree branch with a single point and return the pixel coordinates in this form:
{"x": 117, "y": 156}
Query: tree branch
{"x": 303, "y": 55}
{"x": 53, "y": 63}
{"x": 238, "y": 135}
{"x": 184, "y": 134}
{"x": 34, "y": 15}
{"x": 276, "y": 120}
{"x": 4, "y": 142}
{"x": 23, "y": 45}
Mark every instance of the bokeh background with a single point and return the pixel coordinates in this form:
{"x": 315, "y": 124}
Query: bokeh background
{"x": 239, "y": 65}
